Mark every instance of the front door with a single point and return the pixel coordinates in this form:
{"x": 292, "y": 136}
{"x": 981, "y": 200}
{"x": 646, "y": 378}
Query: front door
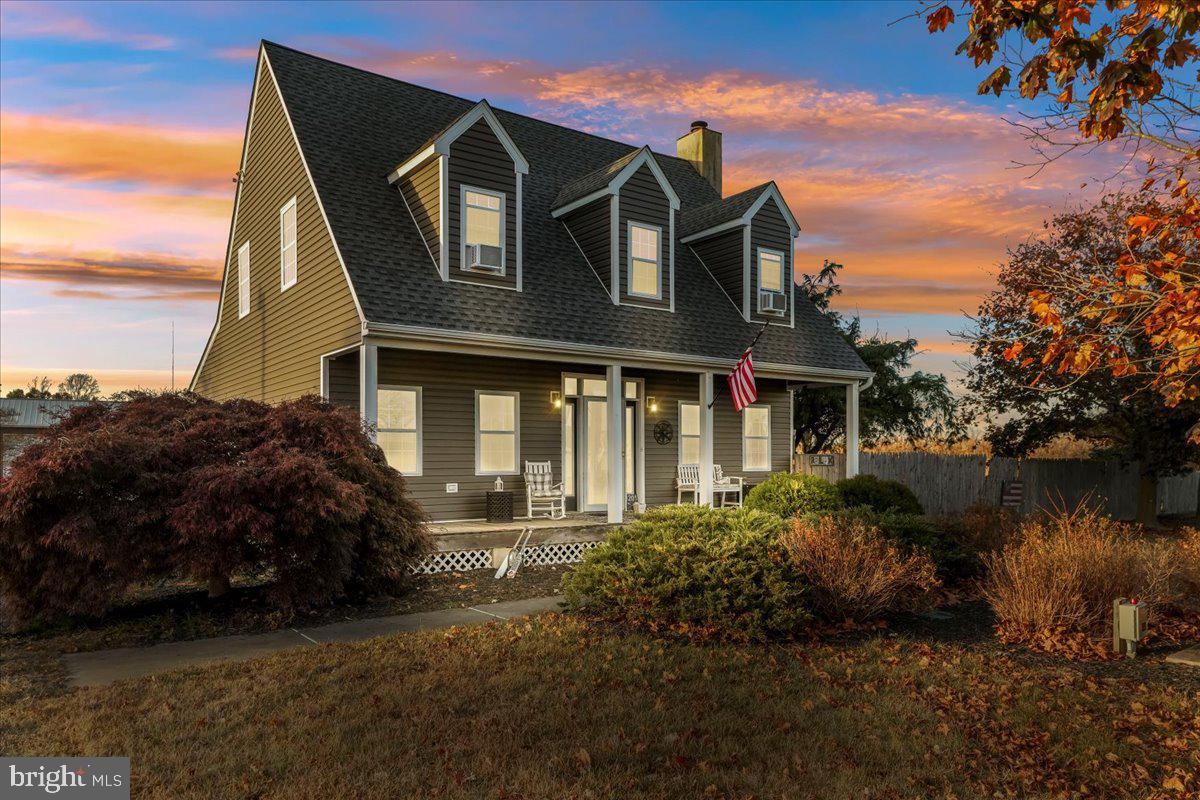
{"x": 593, "y": 461}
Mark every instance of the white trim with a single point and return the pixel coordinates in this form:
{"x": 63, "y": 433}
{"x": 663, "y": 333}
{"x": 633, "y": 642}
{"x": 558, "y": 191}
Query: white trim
{"x": 758, "y": 258}
{"x": 580, "y": 203}
{"x": 671, "y": 256}
{"x": 462, "y": 229}
{"x": 420, "y": 429}
{"x": 414, "y": 162}
{"x": 704, "y": 492}
{"x": 325, "y": 357}
{"x": 615, "y": 400}
{"x": 263, "y": 61}
{"x": 746, "y": 273}
{"x": 586, "y": 260}
{"x": 444, "y": 215}
{"x": 644, "y": 157}
{"x": 771, "y": 191}
{"x": 284, "y": 285}
{"x": 243, "y": 279}
{"x": 614, "y": 231}
{"x": 482, "y": 111}
{"x": 852, "y": 429}
{"x": 516, "y": 432}
{"x": 444, "y": 340}
{"x": 368, "y": 384}
{"x": 520, "y": 282}
{"x": 745, "y": 420}
{"x": 416, "y": 225}
{"x": 659, "y": 272}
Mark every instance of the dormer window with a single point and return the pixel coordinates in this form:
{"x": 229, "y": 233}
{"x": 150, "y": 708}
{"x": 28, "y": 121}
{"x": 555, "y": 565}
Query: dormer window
{"x": 771, "y": 299}
{"x": 483, "y": 231}
{"x": 645, "y": 260}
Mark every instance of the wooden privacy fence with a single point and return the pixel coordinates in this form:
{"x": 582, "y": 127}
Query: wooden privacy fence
{"x": 948, "y": 485}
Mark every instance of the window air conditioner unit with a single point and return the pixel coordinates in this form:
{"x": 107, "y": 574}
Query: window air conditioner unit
{"x": 484, "y": 258}
{"x": 772, "y": 302}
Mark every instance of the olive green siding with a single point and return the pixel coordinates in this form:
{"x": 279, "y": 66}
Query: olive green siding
{"x": 478, "y": 159}
{"x": 643, "y": 200}
{"x": 769, "y": 229}
{"x": 421, "y": 190}
{"x": 274, "y": 352}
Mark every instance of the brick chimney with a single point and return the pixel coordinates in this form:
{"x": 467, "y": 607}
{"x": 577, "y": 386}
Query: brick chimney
{"x": 702, "y": 147}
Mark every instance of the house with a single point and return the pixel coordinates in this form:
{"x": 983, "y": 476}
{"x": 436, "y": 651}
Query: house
{"x": 22, "y": 419}
{"x": 487, "y": 288}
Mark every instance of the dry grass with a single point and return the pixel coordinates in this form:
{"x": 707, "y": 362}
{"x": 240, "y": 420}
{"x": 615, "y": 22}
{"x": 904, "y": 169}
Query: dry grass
{"x": 853, "y": 572}
{"x": 563, "y": 708}
{"x": 1063, "y": 571}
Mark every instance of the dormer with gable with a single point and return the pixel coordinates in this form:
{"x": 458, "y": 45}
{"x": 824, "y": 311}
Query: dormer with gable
{"x": 745, "y": 242}
{"x": 463, "y": 190}
{"x": 622, "y": 218}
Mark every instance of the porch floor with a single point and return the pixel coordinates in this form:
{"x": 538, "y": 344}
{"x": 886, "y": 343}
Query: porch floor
{"x": 575, "y": 527}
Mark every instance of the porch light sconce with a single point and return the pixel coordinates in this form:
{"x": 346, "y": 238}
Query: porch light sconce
{"x": 556, "y": 399}
{"x": 652, "y": 404}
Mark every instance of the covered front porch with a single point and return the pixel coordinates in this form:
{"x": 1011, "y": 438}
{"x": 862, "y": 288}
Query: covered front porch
{"x": 455, "y": 420}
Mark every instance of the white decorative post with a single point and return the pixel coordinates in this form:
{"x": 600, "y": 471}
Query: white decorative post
{"x": 368, "y": 385}
{"x": 706, "y": 440}
{"x": 851, "y": 429}
{"x": 616, "y": 445}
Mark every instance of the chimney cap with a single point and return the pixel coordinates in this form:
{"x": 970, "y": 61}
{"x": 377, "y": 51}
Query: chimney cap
{"x": 699, "y": 124}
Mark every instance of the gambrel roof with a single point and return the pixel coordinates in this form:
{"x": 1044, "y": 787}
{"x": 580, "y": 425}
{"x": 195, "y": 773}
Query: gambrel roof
{"x": 354, "y": 127}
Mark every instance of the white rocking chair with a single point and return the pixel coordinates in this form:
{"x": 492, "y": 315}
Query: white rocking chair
{"x": 542, "y": 494}
{"x": 723, "y": 486}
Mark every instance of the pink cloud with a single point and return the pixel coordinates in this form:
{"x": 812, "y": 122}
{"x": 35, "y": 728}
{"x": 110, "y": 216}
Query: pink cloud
{"x": 48, "y": 21}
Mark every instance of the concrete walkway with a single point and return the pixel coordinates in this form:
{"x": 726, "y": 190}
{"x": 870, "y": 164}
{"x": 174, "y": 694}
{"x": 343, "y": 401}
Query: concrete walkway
{"x": 102, "y": 667}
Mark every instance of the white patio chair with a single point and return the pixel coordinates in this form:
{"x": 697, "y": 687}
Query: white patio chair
{"x": 687, "y": 479}
{"x": 725, "y": 485}
{"x": 542, "y": 494}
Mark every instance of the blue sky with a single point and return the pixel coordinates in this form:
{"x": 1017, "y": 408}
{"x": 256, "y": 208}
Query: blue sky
{"x": 122, "y": 126}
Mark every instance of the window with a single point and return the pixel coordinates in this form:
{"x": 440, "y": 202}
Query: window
{"x": 482, "y": 230}
{"x": 645, "y": 261}
{"x": 689, "y": 433}
{"x": 770, "y": 271}
{"x": 399, "y": 427}
{"x": 756, "y": 439}
{"x": 497, "y": 432}
{"x": 243, "y": 280}
{"x": 287, "y": 244}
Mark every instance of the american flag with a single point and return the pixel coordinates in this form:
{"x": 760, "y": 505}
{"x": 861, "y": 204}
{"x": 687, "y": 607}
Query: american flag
{"x": 741, "y": 382}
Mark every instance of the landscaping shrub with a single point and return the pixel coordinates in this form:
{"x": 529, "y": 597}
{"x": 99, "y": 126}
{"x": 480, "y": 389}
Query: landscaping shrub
{"x": 786, "y": 494}
{"x": 719, "y": 570}
{"x": 1064, "y": 571}
{"x": 179, "y": 486}
{"x": 983, "y": 528}
{"x": 853, "y": 570}
{"x": 912, "y": 533}
{"x": 878, "y": 494}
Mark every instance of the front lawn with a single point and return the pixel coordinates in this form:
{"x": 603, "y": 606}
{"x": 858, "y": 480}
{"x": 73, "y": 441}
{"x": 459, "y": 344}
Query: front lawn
{"x": 568, "y": 708}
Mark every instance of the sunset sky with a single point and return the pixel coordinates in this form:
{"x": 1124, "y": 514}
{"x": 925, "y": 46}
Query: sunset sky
{"x": 121, "y": 125}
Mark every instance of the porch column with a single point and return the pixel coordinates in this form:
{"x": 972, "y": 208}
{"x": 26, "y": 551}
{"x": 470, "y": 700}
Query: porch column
{"x": 616, "y": 445}
{"x": 368, "y": 385}
{"x": 851, "y": 429}
{"x": 705, "y": 495}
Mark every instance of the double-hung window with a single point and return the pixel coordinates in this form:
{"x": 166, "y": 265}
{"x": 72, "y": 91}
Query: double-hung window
{"x": 645, "y": 261}
{"x": 482, "y": 230}
{"x": 756, "y": 439}
{"x": 497, "y": 432}
{"x": 243, "y": 263}
{"x": 770, "y": 271}
{"x": 399, "y": 427}
{"x": 287, "y": 245}
{"x": 689, "y": 433}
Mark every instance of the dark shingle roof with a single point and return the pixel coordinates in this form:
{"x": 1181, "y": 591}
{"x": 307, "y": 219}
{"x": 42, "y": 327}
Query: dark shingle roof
{"x": 354, "y": 127}
{"x": 593, "y": 181}
{"x": 707, "y": 216}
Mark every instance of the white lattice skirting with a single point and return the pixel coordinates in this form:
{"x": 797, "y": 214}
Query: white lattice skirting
{"x": 465, "y": 560}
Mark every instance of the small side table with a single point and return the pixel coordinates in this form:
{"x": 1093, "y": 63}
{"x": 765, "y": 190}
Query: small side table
{"x": 499, "y": 506}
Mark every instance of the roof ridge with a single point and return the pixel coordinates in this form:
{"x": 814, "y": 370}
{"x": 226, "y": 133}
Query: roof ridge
{"x": 538, "y": 120}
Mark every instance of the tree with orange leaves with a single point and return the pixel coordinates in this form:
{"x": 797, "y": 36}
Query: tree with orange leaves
{"x": 1121, "y": 74}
